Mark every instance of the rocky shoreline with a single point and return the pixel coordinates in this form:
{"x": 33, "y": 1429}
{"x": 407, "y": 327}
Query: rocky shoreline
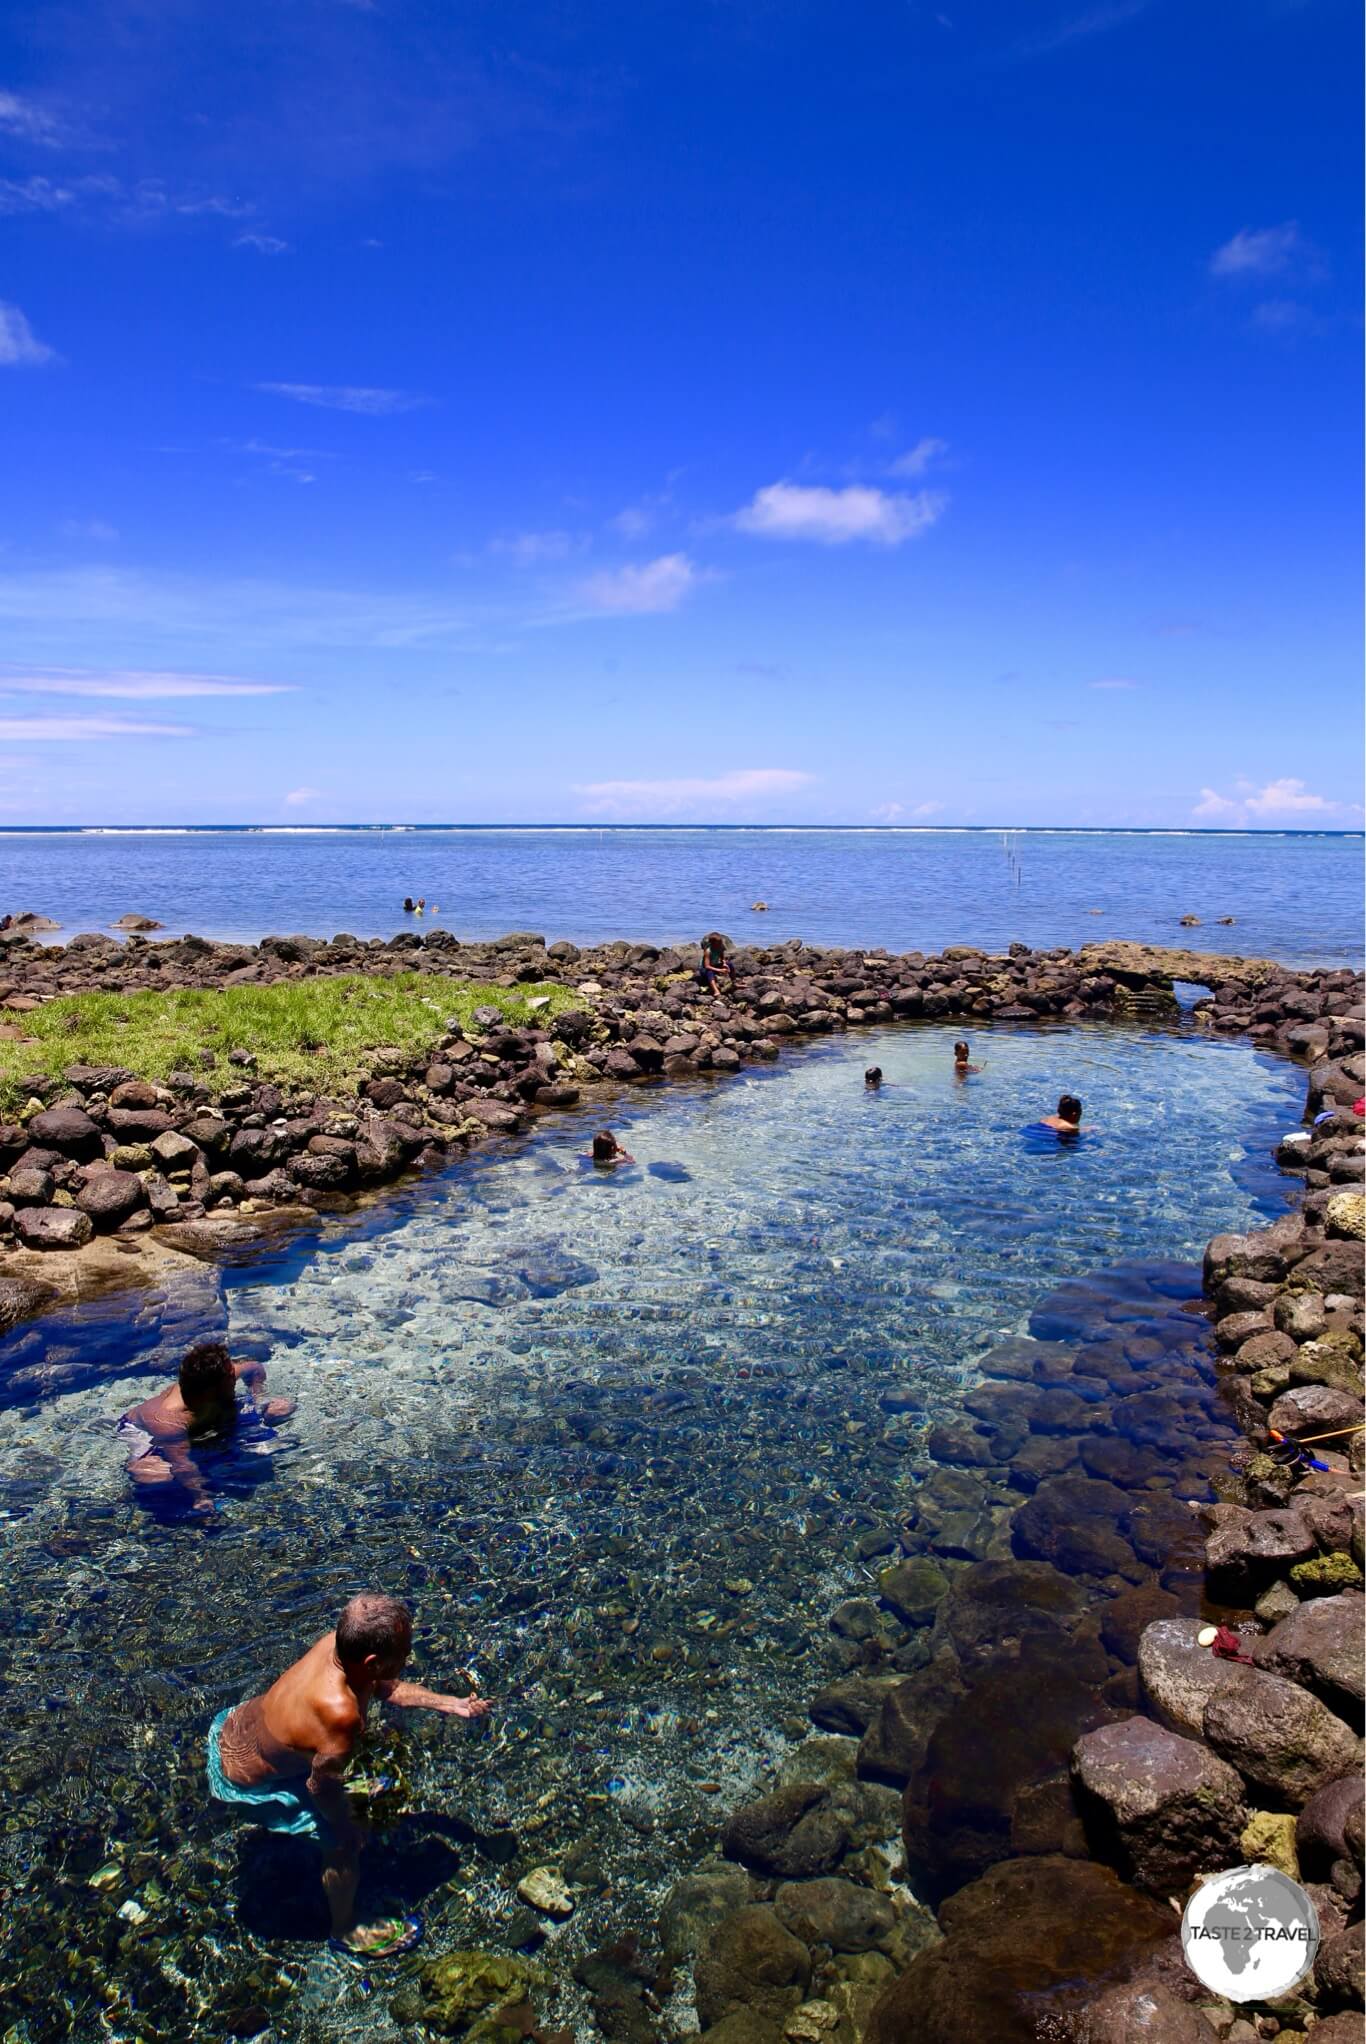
{"x": 208, "y": 1163}
{"x": 1017, "y": 1706}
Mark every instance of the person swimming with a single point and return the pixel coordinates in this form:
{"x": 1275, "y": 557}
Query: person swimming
{"x": 408, "y": 904}
{"x": 1067, "y": 1120}
{"x": 200, "y": 1405}
{"x": 962, "y": 1069}
{"x": 607, "y": 1150}
{"x": 872, "y": 1078}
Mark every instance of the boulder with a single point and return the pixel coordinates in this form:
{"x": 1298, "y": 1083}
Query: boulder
{"x": 696, "y": 1904}
{"x": 53, "y": 1227}
{"x": 1278, "y": 1736}
{"x": 1013, "y": 1731}
{"x": 1179, "y": 1676}
{"x": 851, "y": 1704}
{"x": 1320, "y": 1645}
{"x": 1256, "y": 1545}
{"x": 21, "y": 1298}
{"x": 1314, "y": 1409}
{"x": 174, "y": 1151}
{"x": 110, "y": 1197}
{"x": 1073, "y": 1522}
{"x": 30, "y": 1186}
{"x": 486, "y": 1994}
{"x": 66, "y": 1129}
{"x": 1124, "y": 1618}
{"x": 1169, "y": 1806}
{"x": 1340, "y": 1968}
{"x": 895, "y": 1742}
{"x": 841, "y": 1914}
{"x": 992, "y": 1607}
{"x": 1323, "y": 1826}
{"x": 750, "y": 1961}
{"x": 1032, "y": 1934}
{"x": 913, "y": 1589}
{"x": 792, "y": 1833}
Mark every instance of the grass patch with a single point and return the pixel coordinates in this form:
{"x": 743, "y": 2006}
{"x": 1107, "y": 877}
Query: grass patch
{"x": 313, "y": 1034}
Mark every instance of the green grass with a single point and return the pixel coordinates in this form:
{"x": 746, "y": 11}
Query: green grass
{"x": 313, "y": 1034}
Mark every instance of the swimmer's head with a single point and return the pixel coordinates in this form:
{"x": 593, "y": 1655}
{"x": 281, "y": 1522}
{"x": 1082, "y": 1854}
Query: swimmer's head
{"x": 960, "y": 1053}
{"x": 873, "y": 1076}
{"x": 374, "y": 1637}
{"x": 714, "y": 941}
{"x": 1069, "y": 1108}
{"x": 605, "y": 1146}
{"x": 206, "y": 1373}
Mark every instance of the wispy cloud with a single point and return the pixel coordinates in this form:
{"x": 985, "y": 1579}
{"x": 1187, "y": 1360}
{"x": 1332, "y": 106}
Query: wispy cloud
{"x": 145, "y": 203}
{"x": 74, "y": 730}
{"x": 28, "y": 121}
{"x": 237, "y": 612}
{"x": 669, "y": 797}
{"x": 1075, "y": 28}
{"x": 1115, "y": 681}
{"x": 1259, "y": 252}
{"x": 640, "y": 590}
{"x": 835, "y": 517}
{"x": 297, "y": 798}
{"x": 529, "y": 549}
{"x": 893, "y": 812}
{"x": 131, "y": 685}
{"x": 264, "y": 244}
{"x": 917, "y": 459}
{"x": 1287, "y": 797}
{"x": 20, "y": 347}
{"x": 364, "y": 399}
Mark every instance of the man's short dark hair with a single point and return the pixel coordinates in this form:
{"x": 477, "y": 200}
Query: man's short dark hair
{"x": 1069, "y": 1107}
{"x": 372, "y": 1625}
{"x": 204, "y": 1368}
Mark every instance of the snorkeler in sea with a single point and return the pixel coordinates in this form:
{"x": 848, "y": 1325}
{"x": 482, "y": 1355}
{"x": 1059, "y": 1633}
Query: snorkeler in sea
{"x": 962, "y": 1069}
{"x": 201, "y": 1405}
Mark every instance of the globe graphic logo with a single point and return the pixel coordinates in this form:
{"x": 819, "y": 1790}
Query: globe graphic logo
{"x": 1250, "y": 1934}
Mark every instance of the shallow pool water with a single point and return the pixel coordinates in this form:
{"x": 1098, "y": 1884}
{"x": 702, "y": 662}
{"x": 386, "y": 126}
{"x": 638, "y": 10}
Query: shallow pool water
{"x": 616, "y": 1436}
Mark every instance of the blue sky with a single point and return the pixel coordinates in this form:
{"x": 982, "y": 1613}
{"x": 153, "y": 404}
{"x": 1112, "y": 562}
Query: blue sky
{"x": 674, "y": 411}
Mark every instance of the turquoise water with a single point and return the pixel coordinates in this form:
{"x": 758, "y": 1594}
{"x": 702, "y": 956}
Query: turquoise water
{"x": 616, "y": 1436}
{"x": 1295, "y": 896}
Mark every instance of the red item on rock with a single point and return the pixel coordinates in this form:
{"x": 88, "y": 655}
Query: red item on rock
{"x": 1226, "y": 1646}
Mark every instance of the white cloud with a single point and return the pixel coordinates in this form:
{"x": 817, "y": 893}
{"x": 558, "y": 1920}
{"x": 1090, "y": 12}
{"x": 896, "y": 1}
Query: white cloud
{"x": 529, "y": 548}
{"x": 132, "y": 685}
{"x": 917, "y": 459}
{"x": 637, "y": 591}
{"x": 1078, "y": 27}
{"x": 19, "y": 345}
{"x": 75, "y": 729}
{"x": 834, "y": 517}
{"x": 634, "y": 522}
{"x": 1286, "y": 798}
{"x": 1251, "y": 804}
{"x": 27, "y": 120}
{"x": 297, "y": 797}
{"x": 264, "y": 244}
{"x": 892, "y": 812}
{"x": 668, "y": 797}
{"x": 1115, "y": 681}
{"x": 1258, "y": 252}
{"x": 347, "y": 397}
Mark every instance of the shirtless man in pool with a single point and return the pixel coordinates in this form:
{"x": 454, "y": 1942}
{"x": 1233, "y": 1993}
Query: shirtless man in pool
{"x": 201, "y": 1403}
{"x": 287, "y": 1751}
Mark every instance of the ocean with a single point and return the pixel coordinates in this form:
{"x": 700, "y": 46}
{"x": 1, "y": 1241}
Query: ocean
{"x": 1292, "y": 895}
